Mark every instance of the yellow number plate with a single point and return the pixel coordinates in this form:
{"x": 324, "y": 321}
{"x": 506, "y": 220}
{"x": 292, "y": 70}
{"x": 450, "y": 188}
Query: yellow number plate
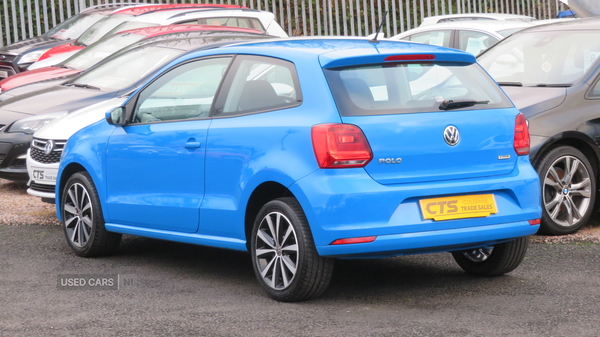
{"x": 459, "y": 207}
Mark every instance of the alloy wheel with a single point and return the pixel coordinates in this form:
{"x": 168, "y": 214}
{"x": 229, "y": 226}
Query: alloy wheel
{"x": 567, "y": 191}
{"x": 78, "y": 213}
{"x": 276, "y": 251}
{"x": 478, "y": 255}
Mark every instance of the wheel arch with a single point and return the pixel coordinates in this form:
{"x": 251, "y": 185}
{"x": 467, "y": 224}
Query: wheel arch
{"x": 67, "y": 172}
{"x": 262, "y": 194}
{"x": 576, "y": 140}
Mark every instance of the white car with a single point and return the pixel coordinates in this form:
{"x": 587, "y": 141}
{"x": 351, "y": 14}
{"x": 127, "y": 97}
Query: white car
{"x": 432, "y": 20}
{"x": 44, "y": 154}
{"x": 239, "y": 17}
{"x": 470, "y": 36}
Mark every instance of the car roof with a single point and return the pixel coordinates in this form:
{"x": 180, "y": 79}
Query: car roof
{"x": 431, "y": 20}
{"x": 492, "y": 27}
{"x": 139, "y": 10}
{"x": 191, "y": 13}
{"x": 169, "y": 29}
{"x": 341, "y": 51}
{"x": 566, "y": 24}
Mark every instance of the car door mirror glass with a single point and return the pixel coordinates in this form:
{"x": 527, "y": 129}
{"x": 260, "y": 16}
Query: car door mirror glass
{"x": 116, "y": 116}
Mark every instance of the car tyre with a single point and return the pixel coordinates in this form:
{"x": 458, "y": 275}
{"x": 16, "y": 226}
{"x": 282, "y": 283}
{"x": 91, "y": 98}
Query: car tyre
{"x": 493, "y": 261}
{"x": 284, "y": 257}
{"x": 82, "y": 219}
{"x": 568, "y": 190}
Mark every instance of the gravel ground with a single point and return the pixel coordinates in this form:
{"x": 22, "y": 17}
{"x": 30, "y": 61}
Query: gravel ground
{"x": 19, "y": 208}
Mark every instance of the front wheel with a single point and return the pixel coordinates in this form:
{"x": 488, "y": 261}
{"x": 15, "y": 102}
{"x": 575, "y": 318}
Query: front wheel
{"x": 493, "y": 261}
{"x": 284, "y": 257}
{"x": 568, "y": 190}
{"x": 82, "y": 219}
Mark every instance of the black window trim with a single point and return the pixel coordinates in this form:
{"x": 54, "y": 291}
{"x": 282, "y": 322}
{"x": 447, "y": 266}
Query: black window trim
{"x": 219, "y": 102}
{"x": 133, "y": 102}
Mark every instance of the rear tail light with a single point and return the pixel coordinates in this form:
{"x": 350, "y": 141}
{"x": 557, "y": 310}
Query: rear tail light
{"x": 521, "y": 141}
{"x": 340, "y": 146}
{"x": 535, "y": 222}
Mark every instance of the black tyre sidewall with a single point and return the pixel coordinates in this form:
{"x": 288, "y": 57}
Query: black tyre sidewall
{"x": 548, "y": 226}
{"x": 505, "y": 257}
{"x": 297, "y": 290}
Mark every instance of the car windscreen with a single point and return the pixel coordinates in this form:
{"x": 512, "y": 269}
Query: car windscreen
{"x": 73, "y": 27}
{"x": 126, "y": 69}
{"x": 127, "y": 25}
{"x": 100, "y": 28}
{"x": 100, "y": 50}
{"x": 542, "y": 58}
{"x": 397, "y": 88}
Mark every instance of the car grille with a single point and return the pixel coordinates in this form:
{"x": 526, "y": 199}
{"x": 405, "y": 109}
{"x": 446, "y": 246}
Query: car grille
{"x": 42, "y": 188}
{"x": 39, "y": 154}
{"x": 7, "y": 57}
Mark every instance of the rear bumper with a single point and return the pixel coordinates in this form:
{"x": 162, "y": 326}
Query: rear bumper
{"x": 432, "y": 241}
{"x": 342, "y": 204}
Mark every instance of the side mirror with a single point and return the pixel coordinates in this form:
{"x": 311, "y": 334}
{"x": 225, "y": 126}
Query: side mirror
{"x": 116, "y": 116}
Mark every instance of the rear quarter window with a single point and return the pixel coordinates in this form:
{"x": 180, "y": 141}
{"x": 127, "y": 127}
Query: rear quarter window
{"x": 411, "y": 88}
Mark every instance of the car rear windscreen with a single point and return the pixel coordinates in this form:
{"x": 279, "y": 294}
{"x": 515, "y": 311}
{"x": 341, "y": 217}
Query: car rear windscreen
{"x": 395, "y": 88}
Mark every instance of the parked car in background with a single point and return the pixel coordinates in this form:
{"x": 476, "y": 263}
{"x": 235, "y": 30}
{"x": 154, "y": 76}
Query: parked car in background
{"x": 294, "y": 150}
{"x": 432, "y": 20}
{"x": 470, "y": 36}
{"x": 23, "y": 114}
{"x": 105, "y": 47}
{"x": 552, "y": 74}
{"x": 220, "y": 15}
{"x": 583, "y": 8}
{"x": 16, "y": 57}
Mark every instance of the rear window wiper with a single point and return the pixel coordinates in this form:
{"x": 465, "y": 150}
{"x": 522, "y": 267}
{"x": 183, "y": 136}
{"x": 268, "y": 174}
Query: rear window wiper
{"x": 555, "y": 85}
{"x": 510, "y": 84}
{"x": 78, "y": 85}
{"x": 447, "y": 105}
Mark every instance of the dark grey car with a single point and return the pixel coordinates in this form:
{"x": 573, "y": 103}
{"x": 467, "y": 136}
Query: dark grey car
{"x": 16, "y": 57}
{"x": 552, "y": 74}
{"x": 117, "y": 76}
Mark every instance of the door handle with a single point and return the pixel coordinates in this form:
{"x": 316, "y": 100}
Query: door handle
{"x": 190, "y": 145}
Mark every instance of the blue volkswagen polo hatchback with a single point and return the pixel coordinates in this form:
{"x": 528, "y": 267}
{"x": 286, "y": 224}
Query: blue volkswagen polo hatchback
{"x": 302, "y": 151}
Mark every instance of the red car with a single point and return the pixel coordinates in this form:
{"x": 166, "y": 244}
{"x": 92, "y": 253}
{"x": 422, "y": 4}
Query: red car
{"x": 103, "y": 26}
{"x": 111, "y": 44}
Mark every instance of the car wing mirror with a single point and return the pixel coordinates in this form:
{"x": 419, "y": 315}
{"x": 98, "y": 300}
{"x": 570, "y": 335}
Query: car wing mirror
{"x": 116, "y": 116}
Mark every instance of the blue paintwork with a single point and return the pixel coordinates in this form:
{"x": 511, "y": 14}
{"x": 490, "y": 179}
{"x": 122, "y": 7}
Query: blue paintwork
{"x": 150, "y": 184}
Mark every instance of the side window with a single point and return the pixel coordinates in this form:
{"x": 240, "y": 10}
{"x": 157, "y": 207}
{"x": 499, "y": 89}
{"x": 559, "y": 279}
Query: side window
{"x": 185, "y": 92}
{"x": 252, "y": 23}
{"x": 439, "y": 38}
{"x": 595, "y": 92}
{"x": 259, "y": 84}
{"x": 474, "y": 42}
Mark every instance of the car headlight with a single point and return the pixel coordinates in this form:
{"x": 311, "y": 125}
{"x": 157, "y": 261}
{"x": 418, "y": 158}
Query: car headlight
{"x": 32, "y": 124}
{"x": 32, "y": 56}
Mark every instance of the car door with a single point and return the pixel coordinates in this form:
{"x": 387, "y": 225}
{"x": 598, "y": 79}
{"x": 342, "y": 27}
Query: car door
{"x": 155, "y": 164}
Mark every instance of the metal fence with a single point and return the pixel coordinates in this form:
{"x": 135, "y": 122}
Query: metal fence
{"x": 22, "y": 19}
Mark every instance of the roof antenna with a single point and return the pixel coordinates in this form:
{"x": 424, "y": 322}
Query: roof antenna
{"x": 374, "y": 39}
